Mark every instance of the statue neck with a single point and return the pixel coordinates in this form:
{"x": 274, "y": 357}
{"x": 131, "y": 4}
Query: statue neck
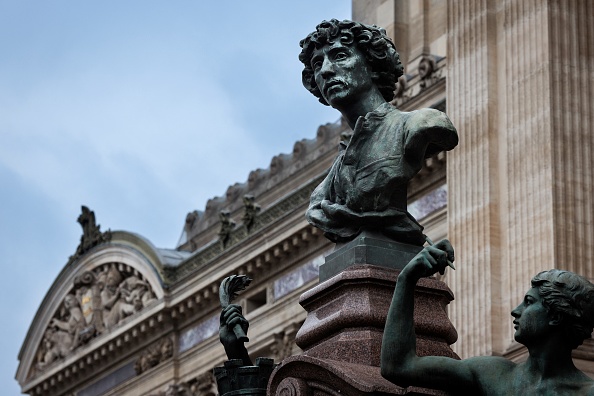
{"x": 549, "y": 361}
{"x": 361, "y": 106}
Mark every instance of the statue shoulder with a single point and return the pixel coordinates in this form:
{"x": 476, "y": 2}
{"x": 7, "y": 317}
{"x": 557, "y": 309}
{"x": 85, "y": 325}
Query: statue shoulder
{"x": 428, "y": 119}
{"x": 429, "y": 131}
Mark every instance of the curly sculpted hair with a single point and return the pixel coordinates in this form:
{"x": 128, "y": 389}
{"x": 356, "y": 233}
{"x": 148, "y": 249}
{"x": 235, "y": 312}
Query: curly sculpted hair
{"x": 571, "y": 296}
{"x": 372, "y": 41}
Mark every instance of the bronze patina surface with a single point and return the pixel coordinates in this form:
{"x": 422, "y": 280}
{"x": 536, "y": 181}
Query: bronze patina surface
{"x": 354, "y": 68}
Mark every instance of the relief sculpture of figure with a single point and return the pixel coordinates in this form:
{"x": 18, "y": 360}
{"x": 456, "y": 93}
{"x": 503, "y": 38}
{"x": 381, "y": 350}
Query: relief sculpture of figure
{"x": 555, "y": 317}
{"x": 113, "y": 297}
{"x": 137, "y": 292}
{"x": 354, "y": 68}
{"x": 56, "y": 344}
{"x": 75, "y": 322}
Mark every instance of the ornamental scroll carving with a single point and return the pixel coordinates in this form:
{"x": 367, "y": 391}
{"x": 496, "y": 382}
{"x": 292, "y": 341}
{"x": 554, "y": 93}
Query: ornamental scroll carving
{"x": 98, "y": 301}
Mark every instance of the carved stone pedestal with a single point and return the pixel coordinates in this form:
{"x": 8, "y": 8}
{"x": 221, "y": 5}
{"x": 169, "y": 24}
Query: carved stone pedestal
{"x": 342, "y": 334}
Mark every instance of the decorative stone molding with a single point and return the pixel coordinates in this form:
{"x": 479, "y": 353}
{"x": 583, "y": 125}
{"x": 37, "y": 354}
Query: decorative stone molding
{"x": 154, "y": 354}
{"x": 208, "y": 295}
{"x": 429, "y": 72}
{"x": 272, "y": 214}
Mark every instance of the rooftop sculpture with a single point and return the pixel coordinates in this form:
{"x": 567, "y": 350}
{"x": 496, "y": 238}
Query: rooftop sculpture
{"x": 555, "y": 317}
{"x": 354, "y": 68}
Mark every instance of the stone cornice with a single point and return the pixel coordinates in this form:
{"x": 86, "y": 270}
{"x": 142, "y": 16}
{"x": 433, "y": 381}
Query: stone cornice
{"x": 274, "y": 213}
{"x": 259, "y": 265}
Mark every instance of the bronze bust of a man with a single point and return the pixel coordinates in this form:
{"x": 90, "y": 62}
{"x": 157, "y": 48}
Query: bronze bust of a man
{"x": 354, "y": 68}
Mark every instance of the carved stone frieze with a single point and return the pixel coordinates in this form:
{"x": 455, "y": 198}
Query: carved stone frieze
{"x": 98, "y": 301}
{"x": 154, "y": 354}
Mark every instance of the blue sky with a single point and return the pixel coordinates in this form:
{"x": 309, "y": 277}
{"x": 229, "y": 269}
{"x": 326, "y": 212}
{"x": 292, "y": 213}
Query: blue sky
{"x": 141, "y": 110}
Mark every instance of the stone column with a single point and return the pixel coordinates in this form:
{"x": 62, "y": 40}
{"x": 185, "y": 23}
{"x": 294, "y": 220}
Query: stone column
{"x": 521, "y": 182}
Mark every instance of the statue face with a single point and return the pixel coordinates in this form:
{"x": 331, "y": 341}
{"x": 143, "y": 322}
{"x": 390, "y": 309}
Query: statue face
{"x": 531, "y": 319}
{"x": 341, "y": 73}
{"x": 69, "y": 301}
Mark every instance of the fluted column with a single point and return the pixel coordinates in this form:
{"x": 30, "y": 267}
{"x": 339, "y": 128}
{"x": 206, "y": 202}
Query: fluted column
{"x": 520, "y": 183}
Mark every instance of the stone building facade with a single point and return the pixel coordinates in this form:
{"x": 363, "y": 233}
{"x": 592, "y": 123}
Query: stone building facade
{"x": 515, "y": 197}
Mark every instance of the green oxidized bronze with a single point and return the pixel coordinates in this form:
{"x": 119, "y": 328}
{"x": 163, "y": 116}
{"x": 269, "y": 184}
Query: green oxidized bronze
{"x": 354, "y": 68}
{"x": 239, "y": 376}
{"x": 555, "y": 317}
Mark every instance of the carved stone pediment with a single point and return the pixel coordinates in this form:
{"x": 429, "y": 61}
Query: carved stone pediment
{"x": 98, "y": 300}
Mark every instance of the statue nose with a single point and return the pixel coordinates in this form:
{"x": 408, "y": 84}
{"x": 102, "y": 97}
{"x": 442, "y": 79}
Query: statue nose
{"x": 516, "y": 312}
{"x": 327, "y": 68}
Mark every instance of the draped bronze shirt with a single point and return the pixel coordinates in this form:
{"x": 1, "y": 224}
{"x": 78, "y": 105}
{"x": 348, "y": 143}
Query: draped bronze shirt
{"x": 366, "y": 187}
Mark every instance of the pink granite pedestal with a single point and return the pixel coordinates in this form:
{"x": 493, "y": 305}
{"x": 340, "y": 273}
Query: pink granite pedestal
{"x": 342, "y": 335}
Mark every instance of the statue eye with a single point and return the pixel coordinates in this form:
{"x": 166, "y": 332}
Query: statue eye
{"x": 340, "y": 56}
{"x": 316, "y": 64}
